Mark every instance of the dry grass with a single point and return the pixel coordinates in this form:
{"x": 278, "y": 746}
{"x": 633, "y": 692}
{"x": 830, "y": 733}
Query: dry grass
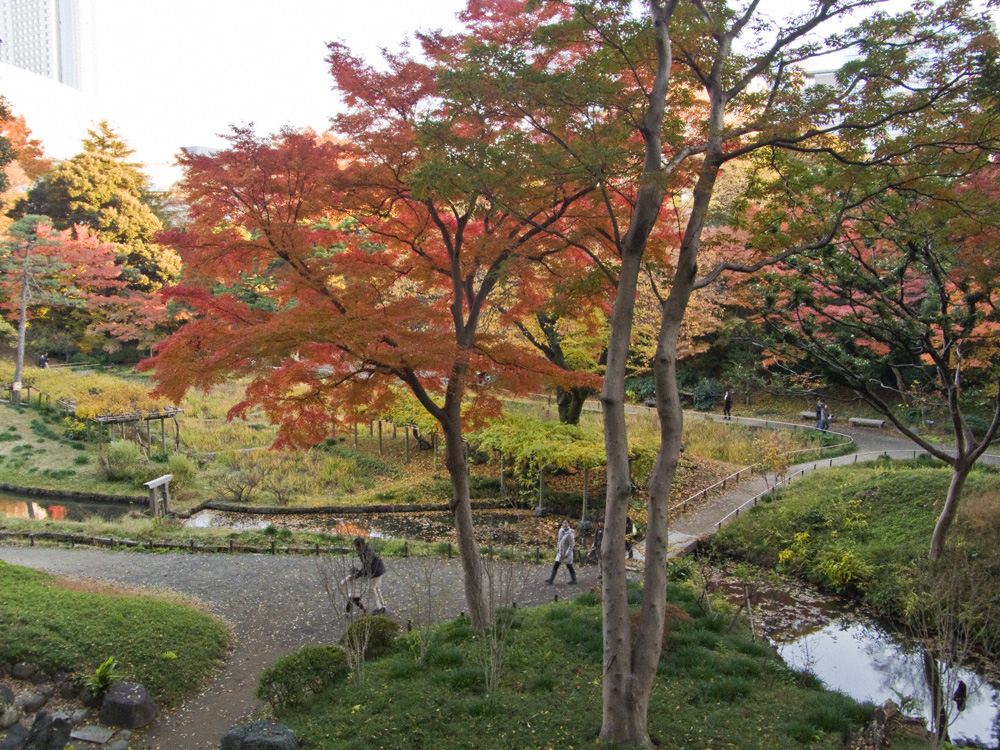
{"x": 91, "y": 586}
{"x": 980, "y": 511}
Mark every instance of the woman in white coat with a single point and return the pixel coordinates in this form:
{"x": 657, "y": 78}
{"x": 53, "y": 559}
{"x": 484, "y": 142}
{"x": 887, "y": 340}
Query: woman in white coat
{"x": 564, "y": 552}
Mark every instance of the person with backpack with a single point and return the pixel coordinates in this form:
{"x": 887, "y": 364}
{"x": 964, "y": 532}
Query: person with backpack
{"x": 370, "y": 576}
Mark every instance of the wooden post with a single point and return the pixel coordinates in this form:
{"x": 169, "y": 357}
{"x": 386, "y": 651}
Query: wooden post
{"x": 393, "y": 430}
{"x": 380, "y": 437}
{"x": 371, "y": 429}
{"x": 149, "y": 438}
{"x": 177, "y": 438}
{"x": 355, "y": 436}
{"x": 501, "y": 471}
{"x": 406, "y": 435}
{"x": 434, "y": 448}
{"x": 586, "y": 477}
{"x": 163, "y": 434}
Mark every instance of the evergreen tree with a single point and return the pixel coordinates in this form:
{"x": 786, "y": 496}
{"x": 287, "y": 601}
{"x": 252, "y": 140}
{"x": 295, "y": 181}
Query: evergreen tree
{"x": 101, "y": 189}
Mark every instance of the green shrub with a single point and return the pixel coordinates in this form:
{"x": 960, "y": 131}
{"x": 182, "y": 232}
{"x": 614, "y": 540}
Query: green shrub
{"x": 183, "y": 469}
{"x": 705, "y": 393}
{"x": 123, "y": 461}
{"x": 293, "y": 678}
{"x": 81, "y": 460}
{"x": 382, "y": 634}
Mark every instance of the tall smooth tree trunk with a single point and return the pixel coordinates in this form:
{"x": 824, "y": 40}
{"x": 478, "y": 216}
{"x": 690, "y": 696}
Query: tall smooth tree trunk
{"x": 22, "y": 323}
{"x": 961, "y": 470}
{"x": 627, "y": 681}
{"x": 461, "y": 509}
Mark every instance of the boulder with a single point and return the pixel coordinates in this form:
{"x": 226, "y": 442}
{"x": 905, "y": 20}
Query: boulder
{"x": 14, "y": 737}
{"x": 22, "y": 671}
{"x": 260, "y": 735}
{"x": 128, "y": 705}
{"x": 9, "y": 717}
{"x": 47, "y": 733}
{"x": 68, "y": 691}
{"x": 30, "y": 702}
{"x": 6, "y": 695}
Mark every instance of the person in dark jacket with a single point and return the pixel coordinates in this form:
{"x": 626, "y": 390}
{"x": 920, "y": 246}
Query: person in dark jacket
{"x": 369, "y": 575}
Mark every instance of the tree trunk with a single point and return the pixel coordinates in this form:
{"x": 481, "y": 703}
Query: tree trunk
{"x": 625, "y": 696}
{"x": 961, "y": 470}
{"x": 461, "y": 508}
{"x": 570, "y": 402}
{"x": 22, "y": 322}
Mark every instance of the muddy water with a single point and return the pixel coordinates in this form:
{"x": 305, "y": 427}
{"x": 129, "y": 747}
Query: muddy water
{"x": 12, "y": 506}
{"x": 846, "y": 649}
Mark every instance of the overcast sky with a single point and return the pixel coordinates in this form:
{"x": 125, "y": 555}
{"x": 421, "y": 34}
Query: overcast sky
{"x": 177, "y": 73}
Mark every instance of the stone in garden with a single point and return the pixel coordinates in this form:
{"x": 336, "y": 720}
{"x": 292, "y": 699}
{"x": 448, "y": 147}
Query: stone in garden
{"x": 47, "y": 733}
{"x": 68, "y": 691}
{"x": 9, "y": 717}
{"x": 6, "y": 695}
{"x": 15, "y": 736}
{"x": 260, "y": 735}
{"x": 39, "y": 678}
{"x": 47, "y": 690}
{"x": 128, "y": 705}
{"x": 22, "y": 671}
{"x": 92, "y": 733}
{"x": 30, "y": 702}
{"x": 79, "y": 716}
{"x": 118, "y": 745}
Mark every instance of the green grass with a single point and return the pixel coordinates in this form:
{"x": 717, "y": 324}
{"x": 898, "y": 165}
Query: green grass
{"x": 713, "y": 690}
{"x": 860, "y": 530}
{"x": 167, "y": 646}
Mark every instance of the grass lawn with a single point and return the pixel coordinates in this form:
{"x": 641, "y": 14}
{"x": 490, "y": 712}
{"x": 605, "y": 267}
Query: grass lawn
{"x": 34, "y": 452}
{"x": 714, "y": 689}
{"x": 73, "y": 626}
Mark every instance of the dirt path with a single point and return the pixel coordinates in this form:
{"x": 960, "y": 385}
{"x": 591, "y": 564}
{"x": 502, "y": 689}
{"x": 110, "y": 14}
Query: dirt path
{"x": 273, "y": 604}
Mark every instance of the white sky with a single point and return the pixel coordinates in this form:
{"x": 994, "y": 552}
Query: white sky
{"x": 173, "y": 73}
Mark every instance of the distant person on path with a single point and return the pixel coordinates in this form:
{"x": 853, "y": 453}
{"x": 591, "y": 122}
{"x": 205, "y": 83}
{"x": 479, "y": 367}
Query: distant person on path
{"x": 629, "y": 536}
{"x": 820, "y": 408}
{"x": 43, "y": 360}
{"x": 727, "y": 405}
{"x": 370, "y": 574}
{"x": 825, "y": 418}
{"x": 564, "y": 552}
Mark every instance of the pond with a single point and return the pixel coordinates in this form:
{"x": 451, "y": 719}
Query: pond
{"x": 848, "y": 651}
{"x": 55, "y": 509}
{"x": 863, "y": 661}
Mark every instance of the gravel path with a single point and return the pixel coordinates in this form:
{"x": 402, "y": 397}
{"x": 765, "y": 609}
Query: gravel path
{"x": 275, "y": 604}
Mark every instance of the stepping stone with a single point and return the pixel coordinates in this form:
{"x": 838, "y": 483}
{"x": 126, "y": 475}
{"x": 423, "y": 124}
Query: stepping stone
{"x": 92, "y": 733}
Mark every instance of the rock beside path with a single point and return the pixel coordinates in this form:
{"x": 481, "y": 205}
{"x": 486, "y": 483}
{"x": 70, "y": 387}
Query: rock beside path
{"x": 260, "y": 735}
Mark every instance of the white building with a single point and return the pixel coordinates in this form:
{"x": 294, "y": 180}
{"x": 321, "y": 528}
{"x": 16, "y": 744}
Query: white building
{"x": 53, "y": 38}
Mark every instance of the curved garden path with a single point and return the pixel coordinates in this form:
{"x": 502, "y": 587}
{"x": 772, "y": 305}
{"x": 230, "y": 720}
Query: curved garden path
{"x": 274, "y": 604}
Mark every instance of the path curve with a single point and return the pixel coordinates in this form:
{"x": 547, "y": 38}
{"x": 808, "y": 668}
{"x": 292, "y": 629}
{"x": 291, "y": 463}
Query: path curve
{"x": 275, "y": 604}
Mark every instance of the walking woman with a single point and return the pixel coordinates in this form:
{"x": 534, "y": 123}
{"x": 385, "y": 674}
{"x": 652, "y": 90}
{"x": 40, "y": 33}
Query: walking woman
{"x": 564, "y": 552}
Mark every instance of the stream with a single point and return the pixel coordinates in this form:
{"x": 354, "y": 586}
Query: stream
{"x": 850, "y": 652}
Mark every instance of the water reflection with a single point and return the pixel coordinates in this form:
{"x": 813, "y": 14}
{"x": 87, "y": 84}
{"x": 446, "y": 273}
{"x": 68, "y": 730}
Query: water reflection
{"x": 59, "y": 510}
{"x": 861, "y": 660}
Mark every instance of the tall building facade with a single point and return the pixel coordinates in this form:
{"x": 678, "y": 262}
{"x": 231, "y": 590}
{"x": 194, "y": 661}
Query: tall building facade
{"x": 48, "y": 37}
